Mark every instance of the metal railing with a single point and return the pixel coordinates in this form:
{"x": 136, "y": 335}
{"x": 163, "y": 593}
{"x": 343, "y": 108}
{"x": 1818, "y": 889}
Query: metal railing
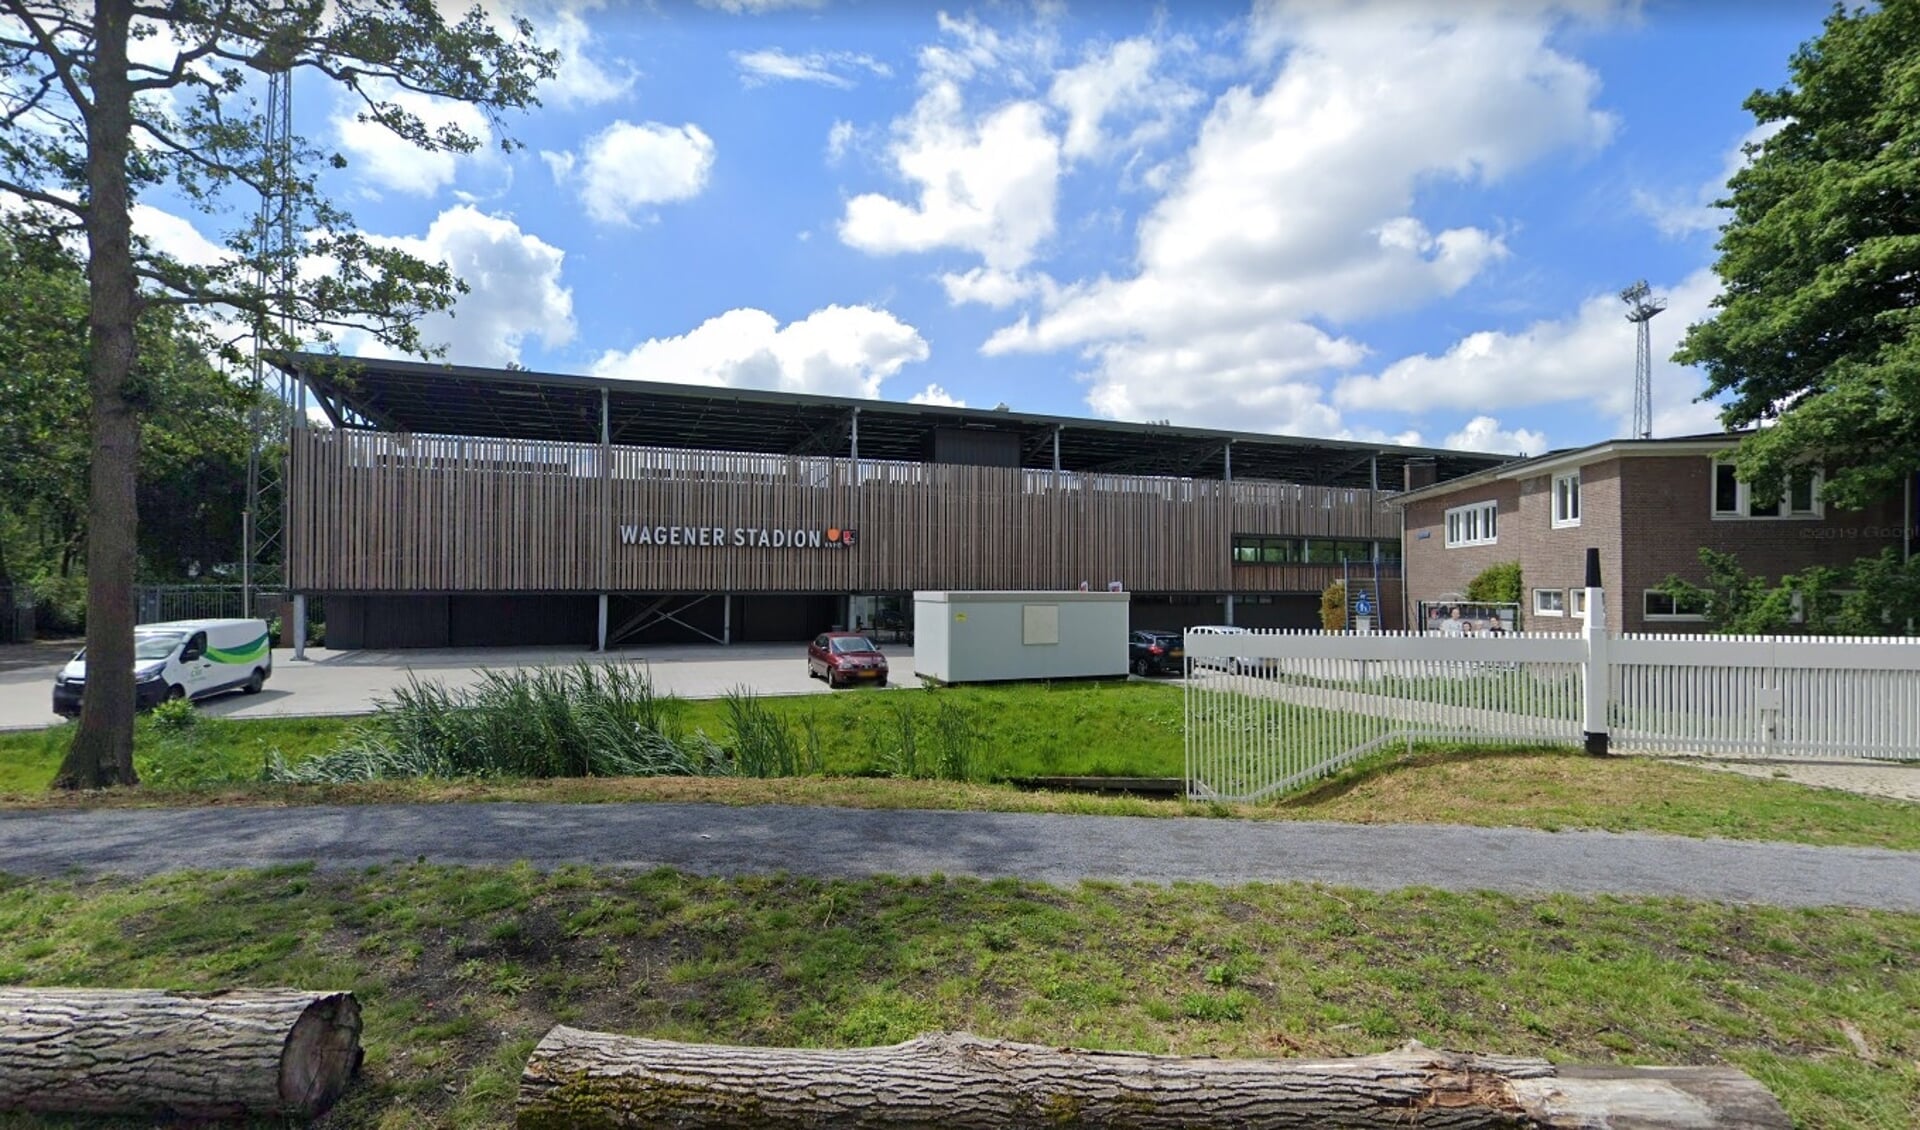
{"x": 154, "y": 604}
{"x": 1268, "y": 711}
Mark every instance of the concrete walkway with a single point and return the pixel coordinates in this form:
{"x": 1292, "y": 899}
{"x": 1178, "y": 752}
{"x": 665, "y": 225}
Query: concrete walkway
{"x": 830, "y": 842}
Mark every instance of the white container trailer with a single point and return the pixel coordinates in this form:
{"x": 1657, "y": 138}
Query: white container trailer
{"x": 989, "y": 636}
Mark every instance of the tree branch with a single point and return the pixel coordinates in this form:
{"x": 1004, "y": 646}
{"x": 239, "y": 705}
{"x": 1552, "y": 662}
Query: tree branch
{"x": 47, "y": 198}
{"x": 62, "y": 62}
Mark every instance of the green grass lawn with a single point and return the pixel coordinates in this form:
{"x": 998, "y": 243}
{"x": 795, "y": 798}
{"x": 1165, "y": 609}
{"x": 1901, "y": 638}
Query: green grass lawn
{"x": 1072, "y": 729}
{"x": 460, "y": 971}
{"x": 1028, "y": 730}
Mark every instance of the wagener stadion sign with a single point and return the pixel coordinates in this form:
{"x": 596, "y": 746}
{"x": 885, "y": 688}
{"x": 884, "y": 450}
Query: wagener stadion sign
{"x": 745, "y": 537}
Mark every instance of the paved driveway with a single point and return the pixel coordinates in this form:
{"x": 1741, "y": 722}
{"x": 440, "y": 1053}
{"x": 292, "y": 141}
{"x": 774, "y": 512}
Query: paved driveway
{"x": 347, "y": 682}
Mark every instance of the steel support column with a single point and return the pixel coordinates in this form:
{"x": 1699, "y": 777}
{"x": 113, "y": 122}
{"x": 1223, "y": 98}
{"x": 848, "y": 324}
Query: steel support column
{"x": 600, "y": 630}
{"x": 299, "y": 626}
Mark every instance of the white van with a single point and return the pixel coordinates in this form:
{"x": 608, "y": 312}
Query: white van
{"x": 183, "y": 659}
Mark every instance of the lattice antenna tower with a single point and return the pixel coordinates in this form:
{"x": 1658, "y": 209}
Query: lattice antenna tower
{"x": 1641, "y": 307}
{"x": 275, "y": 400}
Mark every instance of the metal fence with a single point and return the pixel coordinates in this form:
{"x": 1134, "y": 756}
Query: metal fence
{"x": 1267, "y": 711}
{"x": 16, "y": 614}
{"x": 155, "y": 604}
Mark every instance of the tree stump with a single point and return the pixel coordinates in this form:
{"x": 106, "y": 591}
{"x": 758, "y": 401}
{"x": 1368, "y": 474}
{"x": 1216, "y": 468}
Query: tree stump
{"x": 586, "y": 1080}
{"x": 266, "y": 1052}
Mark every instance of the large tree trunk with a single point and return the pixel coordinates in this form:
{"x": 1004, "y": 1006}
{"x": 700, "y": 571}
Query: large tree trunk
{"x": 577, "y": 1079}
{"x": 102, "y": 750}
{"x": 268, "y": 1052}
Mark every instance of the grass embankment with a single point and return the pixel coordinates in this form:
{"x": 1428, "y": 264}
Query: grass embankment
{"x": 1071, "y": 729}
{"x": 1125, "y": 730}
{"x": 460, "y": 971}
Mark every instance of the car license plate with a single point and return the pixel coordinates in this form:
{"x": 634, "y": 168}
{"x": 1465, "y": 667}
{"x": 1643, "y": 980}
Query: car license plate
{"x": 1176, "y": 653}
{"x": 869, "y": 673}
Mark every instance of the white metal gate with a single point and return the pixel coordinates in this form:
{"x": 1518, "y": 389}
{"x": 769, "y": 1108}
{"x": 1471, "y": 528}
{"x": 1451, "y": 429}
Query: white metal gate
{"x": 1268, "y": 711}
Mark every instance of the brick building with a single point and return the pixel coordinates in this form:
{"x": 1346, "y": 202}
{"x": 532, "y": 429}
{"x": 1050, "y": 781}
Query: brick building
{"x": 1647, "y": 505}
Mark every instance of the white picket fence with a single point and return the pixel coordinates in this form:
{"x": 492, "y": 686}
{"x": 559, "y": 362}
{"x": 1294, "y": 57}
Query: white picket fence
{"x": 1267, "y": 711}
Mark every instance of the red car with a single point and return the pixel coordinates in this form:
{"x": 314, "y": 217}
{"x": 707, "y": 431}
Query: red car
{"x": 846, "y": 657}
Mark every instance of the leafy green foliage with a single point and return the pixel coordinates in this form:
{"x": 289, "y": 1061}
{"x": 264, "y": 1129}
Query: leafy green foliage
{"x": 1816, "y": 324}
{"x": 1496, "y": 584}
{"x": 109, "y": 100}
{"x": 1333, "y": 607}
{"x": 175, "y": 714}
{"x": 1875, "y": 596}
{"x": 193, "y": 435}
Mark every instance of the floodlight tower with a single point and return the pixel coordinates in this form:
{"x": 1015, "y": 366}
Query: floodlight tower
{"x": 1641, "y": 307}
{"x": 274, "y": 407}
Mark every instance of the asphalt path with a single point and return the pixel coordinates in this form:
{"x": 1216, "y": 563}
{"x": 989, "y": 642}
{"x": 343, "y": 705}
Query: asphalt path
{"x": 833, "y": 842}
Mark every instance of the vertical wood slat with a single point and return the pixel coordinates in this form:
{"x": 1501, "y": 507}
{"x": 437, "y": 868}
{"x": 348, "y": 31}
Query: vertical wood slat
{"x": 398, "y": 513}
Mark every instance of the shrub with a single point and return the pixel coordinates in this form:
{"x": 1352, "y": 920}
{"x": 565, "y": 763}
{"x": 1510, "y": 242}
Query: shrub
{"x": 175, "y": 714}
{"x": 1496, "y": 584}
{"x": 1333, "y": 607}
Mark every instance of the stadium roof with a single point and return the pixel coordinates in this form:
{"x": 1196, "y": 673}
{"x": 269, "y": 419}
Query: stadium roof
{"x": 407, "y": 396}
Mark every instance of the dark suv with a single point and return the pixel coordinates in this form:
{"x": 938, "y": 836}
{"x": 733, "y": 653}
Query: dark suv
{"x": 1155, "y": 653}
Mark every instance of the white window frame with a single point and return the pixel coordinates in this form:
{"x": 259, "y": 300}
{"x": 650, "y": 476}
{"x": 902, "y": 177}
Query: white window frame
{"x": 1671, "y": 617}
{"x": 1743, "y": 500}
{"x": 1577, "y": 603}
{"x": 1540, "y": 610}
{"x": 1477, "y": 523}
{"x": 1566, "y": 517}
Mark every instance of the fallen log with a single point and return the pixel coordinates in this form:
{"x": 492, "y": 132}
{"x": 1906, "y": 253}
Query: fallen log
{"x": 579, "y": 1079}
{"x": 265, "y": 1052}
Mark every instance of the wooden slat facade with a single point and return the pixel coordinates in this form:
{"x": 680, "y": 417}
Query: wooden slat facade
{"x": 375, "y": 512}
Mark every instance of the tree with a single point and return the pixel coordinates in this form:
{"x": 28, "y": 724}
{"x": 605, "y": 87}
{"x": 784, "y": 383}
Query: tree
{"x": 1875, "y": 596}
{"x": 1821, "y": 265}
{"x": 96, "y": 107}
{"x": 193, "y": 442}
{"x": 1496, "y": 584}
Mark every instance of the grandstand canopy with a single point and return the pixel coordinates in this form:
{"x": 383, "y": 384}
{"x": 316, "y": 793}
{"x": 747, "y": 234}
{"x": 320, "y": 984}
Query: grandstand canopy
{"x": 424, "y": 398}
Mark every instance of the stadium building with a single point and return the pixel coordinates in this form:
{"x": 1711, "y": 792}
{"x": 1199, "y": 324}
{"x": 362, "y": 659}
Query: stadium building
{"x": 452, "y": 506}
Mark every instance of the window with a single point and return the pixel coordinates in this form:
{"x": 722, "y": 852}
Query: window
{"x": 1657, "y": 605}
{"x": 1252, "y": 549}
{"x": 1732, "y": 498}
{"x": 1566, "y": 500}
{"x": 1475, "y": 524}
{"x": 1258, "y": 549}
{"x": 1549, "y": 602}
{"x": 1579, "y": 599}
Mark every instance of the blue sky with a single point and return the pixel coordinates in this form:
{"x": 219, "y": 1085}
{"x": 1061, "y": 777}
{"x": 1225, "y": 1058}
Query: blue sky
{"x": 1393, "y": 221}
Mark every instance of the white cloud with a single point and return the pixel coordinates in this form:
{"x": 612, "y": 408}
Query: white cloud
{"x": 998, "y": 289}
{"x": 758, "y": 7}
{"x": 936, "y": 396}
{"x": 1119, "y": 82}
{"x": 1586, "y": 358}
{"x": 839, "y": 136}
{"x": 837, "y": 350}
{"x": 986, "y": 186}
{"x": 627, "y": 167}
{"x": 1294, "y": 211}
{"x": 1681, "y": 214}
{"x": 176, "y": 237}
{"x": 579, "y": 79}
{"x": 1484, "y": 433}
{"x": 827, "y": 68}
{"x": 515, "y": 294}
{"x": 388, "y": 161}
